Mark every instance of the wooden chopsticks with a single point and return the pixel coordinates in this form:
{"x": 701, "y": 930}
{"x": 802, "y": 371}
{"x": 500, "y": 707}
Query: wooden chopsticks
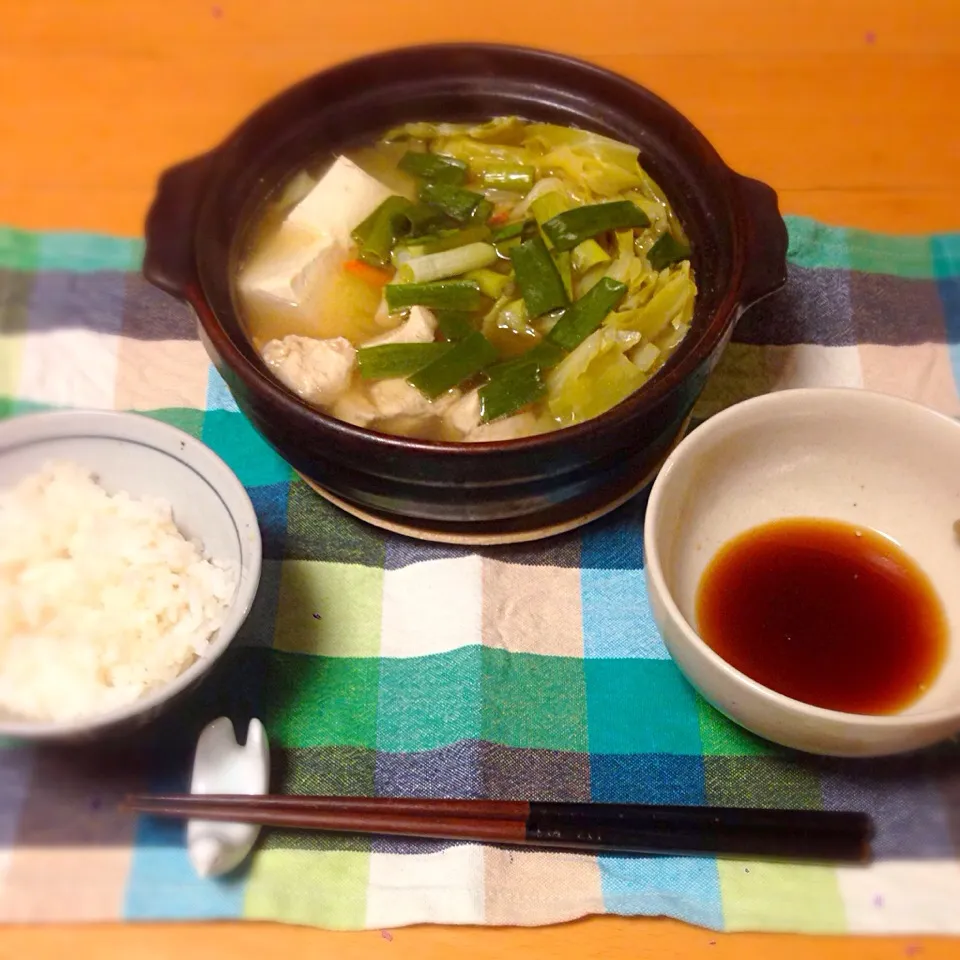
{"x": 815, "y": 835}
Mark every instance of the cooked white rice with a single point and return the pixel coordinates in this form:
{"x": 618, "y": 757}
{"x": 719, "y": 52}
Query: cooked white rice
{"x": 101, "y": 597}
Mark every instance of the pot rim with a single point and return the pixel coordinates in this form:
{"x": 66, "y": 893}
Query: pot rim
{"x": 690, "y": 355}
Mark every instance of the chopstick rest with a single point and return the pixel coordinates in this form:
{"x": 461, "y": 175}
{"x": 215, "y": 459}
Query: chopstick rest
{"x": 221, "y": 765}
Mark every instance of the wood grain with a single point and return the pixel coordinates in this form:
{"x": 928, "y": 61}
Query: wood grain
{"x": 597, "y": 938}
{"x": 847, "y": 107}
{"x": 844, "y": 107}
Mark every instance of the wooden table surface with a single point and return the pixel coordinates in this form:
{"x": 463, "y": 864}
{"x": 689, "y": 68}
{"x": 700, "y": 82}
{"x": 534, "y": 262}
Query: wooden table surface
{"x": 847, "y": 107}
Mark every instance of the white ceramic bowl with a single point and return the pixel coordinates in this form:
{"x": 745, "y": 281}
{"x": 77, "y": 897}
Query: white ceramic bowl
{"x": 145, "y": 458}
{"x": 849, "y": 455}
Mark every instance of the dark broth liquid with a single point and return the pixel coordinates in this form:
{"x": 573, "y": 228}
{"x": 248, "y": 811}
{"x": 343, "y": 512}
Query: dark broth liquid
{"x": 825, "y": 612}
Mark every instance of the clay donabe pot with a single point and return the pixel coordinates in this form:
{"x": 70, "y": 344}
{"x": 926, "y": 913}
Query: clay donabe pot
{"x": 481, "y": 492}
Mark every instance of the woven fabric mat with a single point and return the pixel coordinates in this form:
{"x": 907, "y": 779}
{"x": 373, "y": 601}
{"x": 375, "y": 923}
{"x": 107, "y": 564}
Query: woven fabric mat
{"x": 522, "y": 672}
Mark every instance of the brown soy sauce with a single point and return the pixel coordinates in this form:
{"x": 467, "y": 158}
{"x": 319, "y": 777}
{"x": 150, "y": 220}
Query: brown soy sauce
{"x": 825, "y": 612}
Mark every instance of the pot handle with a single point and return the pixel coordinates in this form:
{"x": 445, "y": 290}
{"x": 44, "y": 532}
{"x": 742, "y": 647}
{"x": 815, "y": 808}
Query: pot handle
{"x": 766, "y": 247}
{"x": 168, "y": 259}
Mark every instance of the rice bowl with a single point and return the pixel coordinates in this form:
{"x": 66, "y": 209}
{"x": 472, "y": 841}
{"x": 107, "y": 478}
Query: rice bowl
{"x": 101, "y": 597}
{"x": 129, "y": 557}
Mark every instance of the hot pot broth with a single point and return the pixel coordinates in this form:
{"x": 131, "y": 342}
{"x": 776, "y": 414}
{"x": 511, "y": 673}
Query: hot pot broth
{"x": 468, "y": 283}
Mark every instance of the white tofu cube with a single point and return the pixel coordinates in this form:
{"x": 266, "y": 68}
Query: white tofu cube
{"x": 290, "y": 269}
{"x": 343, "y": 198}
{"x": 294, "y": 266}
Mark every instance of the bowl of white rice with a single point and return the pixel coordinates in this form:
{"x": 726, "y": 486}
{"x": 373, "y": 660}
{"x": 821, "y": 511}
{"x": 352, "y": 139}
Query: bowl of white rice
{"x": 129, "y": 558}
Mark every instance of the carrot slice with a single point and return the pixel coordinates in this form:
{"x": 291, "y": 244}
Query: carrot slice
{"x": 498, "y": 218}
{"x": 372, "y": 275}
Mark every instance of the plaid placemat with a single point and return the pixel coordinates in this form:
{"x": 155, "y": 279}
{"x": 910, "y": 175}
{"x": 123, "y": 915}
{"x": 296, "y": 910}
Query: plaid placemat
{"x": 523, "y": 672}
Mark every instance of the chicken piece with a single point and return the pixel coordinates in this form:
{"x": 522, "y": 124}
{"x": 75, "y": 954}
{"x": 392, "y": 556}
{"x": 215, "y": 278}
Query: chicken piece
{"x": 510, "y": 428}
{"x": 318, "y": 371}
{"x": 419, "y": 327}
{"x": 383, "y": 317}
{"x": 416, "y": 428}
{"x": 353, "y": 407}
{"x": 398, "y": 398}
{"x": 440, "y": 405}
{"x": 464, "y": 415}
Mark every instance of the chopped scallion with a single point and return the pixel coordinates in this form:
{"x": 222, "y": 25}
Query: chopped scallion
{"x": 548, "y": 205}
{"x": 491, "y": 283}
{"x": 443, "y": 240}
{"x": 508, "y": 176}
{"x": 563, "y": 261}
{"x": 585, "y": 315}
{"x": 397, "y": 359}
{"x": 440, "y": 295}
{"x": 567, "y": 229}
{"x": 505, "y": 246}
{"x": 588, "y": 254}
{"x": 455, "y": 324}
{"x": 424, "y": 218}
{"x": 668, "y": 249}
{"x": 434, "y": 167}
{"x": 510, "y": 230}
{"x": 482, "y": 212}
{"x": 509, "y": 392}
{"x": 544, "y": 355}
{"x": 538, "y": 278}
{"x": 376, "y": 236}
{"x": 447, "y": 263}
{"x": 453, "y": 201}
{"x": 463, "y": 360}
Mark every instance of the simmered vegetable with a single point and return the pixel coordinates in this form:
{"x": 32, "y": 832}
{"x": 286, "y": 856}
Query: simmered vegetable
{"x": 544, "y": 355}
{"x": 583, "y": 317}
{"x": 511, "y": 230}
{"x": 594, "y": 377}
{"x": 459, "y": 363}
{"x": 508, "y": 176}
{"x": 491, "y": 283}
{"x": 482, "y": 212}
{"x": 454, "y": 324}
{"x": 572, "y": 227}
{"x": 397, "y": 359}
{"x": 453, "y": 201}
{"x": 667, "y": 250}
{"x": 440, "y": 241}
{"x": 587, "y": 255}
{"x": 424, "y": 218}
{"x": 520, "y": 269}
{"x": 538, "y": 277}
{"x": 434, "y": 167}
{"x": 378, "y": 234}
{"x": 513, "y": 389}
{"x": 442, "y": 295}
{"x": 447, "y": 263}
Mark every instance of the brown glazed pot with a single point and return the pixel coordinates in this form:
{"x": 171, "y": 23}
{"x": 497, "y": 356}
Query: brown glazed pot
{"x": 498, "y": 490}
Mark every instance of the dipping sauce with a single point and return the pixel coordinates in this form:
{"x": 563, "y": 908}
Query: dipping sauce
{"x": 826, "y": 612}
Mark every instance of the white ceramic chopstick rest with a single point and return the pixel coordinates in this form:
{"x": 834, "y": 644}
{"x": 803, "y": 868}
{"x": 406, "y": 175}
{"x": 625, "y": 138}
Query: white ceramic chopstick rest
{"x": 221, "y": 765}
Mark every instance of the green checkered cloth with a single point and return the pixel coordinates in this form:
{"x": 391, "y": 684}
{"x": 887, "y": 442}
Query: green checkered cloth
{"x": 384, "y": 666}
